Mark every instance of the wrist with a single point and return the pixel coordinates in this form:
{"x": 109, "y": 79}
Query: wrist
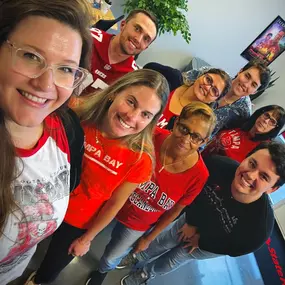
{"x": 149, "y": 238}
{"x": 84, "y": 240}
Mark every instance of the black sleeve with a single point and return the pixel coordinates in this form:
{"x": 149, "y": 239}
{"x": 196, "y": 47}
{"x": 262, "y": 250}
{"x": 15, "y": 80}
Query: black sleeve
{"x": 75, "y": 137}
{"x": 172, "y": 75}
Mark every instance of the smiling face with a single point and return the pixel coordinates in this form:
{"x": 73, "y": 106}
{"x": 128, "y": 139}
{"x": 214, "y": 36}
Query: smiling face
{"x": 180, "y": 142}
{"x": 137, "y": 34}
{"x": 202, "y": 87}
{"x": 131, "y": 111}
{"x": 265, "y": 123}
{"x": 247, "y": 82}
{"x": 26, "y": 101}
{"x": 254, "y": 176}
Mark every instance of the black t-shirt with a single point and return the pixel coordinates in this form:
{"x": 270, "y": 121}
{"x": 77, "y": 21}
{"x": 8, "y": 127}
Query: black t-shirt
{"x": 227, "y": 226}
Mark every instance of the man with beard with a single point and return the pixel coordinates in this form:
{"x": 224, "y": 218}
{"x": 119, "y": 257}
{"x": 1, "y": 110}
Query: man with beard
{"x": 113, "y": 55}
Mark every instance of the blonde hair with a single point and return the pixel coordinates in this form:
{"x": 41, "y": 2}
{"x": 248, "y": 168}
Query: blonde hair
{"x": 94, "y": 109}
{"x": 202, "y": 110}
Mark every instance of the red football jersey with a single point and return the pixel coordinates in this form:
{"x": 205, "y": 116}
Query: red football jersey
{"x": 102, "y": 71}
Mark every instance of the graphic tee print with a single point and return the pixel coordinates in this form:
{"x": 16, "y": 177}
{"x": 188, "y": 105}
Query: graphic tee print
{"x": 234, "y": 143}
{"x": 41, "y": 192}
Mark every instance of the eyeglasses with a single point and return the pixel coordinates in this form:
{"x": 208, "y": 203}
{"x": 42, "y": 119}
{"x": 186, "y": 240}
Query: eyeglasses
{"x": 213, "y": 91}
{"x": 194, "y": 137}
{"x": 29, "y": 63}
{"x": 271, "y": 121}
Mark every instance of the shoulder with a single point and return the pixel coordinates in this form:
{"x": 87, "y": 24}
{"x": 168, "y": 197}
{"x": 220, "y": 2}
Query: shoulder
{"x": 244, "y": 106}
{"x": 172, "y": 75}
{"x": 141, "y": 170}
{"x": 221, "y": 167}
{"x": 201, "y": 167}
{"x": 100, "y": 36}
{"x": 262, "y": 218}
{"x": 144, "y": 161}
{"x": 71, "y": 124}
{"x": 160, "y": 135}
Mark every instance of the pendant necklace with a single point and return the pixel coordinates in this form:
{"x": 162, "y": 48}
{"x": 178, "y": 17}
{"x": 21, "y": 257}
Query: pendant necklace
{"x": 96, "y": 137}
{"x": 164, "y": 164}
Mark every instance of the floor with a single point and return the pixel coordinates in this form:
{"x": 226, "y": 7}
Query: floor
{"x": 221, "y": 271}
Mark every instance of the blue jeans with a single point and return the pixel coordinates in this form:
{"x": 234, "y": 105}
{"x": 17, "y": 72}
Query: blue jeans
{"x": 121, "y": 243}
{"x": 169, "y": 252}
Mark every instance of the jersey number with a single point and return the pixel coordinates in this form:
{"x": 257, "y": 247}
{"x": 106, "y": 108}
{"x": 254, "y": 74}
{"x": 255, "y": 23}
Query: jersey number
{"x": 97, "y": 34}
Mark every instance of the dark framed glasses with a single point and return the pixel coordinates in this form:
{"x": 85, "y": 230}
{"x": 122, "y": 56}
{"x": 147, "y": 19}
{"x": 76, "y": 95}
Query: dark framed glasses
{"x": 213, "y": 91}
{"x": 194, "y": 137}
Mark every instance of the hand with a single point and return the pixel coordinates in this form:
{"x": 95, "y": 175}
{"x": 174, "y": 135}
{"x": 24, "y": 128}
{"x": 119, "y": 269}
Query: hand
{"x": 142, "y": 244}
{"x": 187, "y": 232}
{"x": 79, "y": 247}
{"x": 193, "y": 243}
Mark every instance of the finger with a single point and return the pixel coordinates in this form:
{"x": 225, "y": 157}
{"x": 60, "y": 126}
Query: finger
{"x": 187, "y": 245}
{"x": 192, "y": 249}
{"x": 181, "y": 237}
{"x": 70, "y": 249}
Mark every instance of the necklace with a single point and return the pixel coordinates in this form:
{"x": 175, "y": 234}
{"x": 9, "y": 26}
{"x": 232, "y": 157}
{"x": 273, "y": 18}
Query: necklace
{"x": 228, "y": 103}
{"x": 164, "y": 157}
{"x": 181, "y": 95}
{"x": 96, "y": 137}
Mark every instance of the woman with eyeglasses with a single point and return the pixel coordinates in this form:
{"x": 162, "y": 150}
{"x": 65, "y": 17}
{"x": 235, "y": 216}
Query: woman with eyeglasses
{"x": 265, "y": 124}
{"x": 44, "y": 53}
{"x": 234, "y": 107}
{"x": 179, "y": 176}
{"x": 207, "y": 88}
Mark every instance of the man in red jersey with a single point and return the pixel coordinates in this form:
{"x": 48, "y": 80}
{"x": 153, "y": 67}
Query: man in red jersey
{"x": 113, "y": 55}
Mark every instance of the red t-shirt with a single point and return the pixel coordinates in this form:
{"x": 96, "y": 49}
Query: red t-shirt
{"x": 167, "y": 114}
{"x": 152, "y": 198}
{"x": 102, "y": 71}
{"x": 106, "y": 165}
{"x": 234, "y": 143}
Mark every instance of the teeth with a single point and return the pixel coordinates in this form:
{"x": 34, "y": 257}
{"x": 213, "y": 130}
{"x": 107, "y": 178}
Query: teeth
{"x": 33, "y": 98}
{"x": 133, "y": 45}
{"x": 124, "y": 124}
{"x": 245, "y": 182}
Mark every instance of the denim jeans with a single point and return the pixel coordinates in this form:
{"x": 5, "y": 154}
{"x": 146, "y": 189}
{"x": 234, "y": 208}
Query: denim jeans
{"x": 122, "y": 240}
{"x": 165, "y": 254}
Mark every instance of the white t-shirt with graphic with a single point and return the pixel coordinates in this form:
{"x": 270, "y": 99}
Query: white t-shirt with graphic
{"x": 42, "y": 194}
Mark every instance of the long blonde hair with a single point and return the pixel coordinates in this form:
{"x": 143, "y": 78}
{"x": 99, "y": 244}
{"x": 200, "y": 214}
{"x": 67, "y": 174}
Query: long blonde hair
{"x": 95, "y": 106}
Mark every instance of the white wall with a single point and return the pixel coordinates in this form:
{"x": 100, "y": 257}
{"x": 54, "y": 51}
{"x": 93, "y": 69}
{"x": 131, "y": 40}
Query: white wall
{"x": 221, "y": 30}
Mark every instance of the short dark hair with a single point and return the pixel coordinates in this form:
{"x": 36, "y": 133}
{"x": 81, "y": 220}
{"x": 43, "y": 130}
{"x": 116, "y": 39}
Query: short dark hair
{"x": 149, "y": 14}
{"x": 280, "y": 114}
{"x": 264, "y": 72}
{"x": 277, "y": 154}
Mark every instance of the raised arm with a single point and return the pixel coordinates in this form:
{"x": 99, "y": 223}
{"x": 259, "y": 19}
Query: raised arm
{"x": 107, "y": 213}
